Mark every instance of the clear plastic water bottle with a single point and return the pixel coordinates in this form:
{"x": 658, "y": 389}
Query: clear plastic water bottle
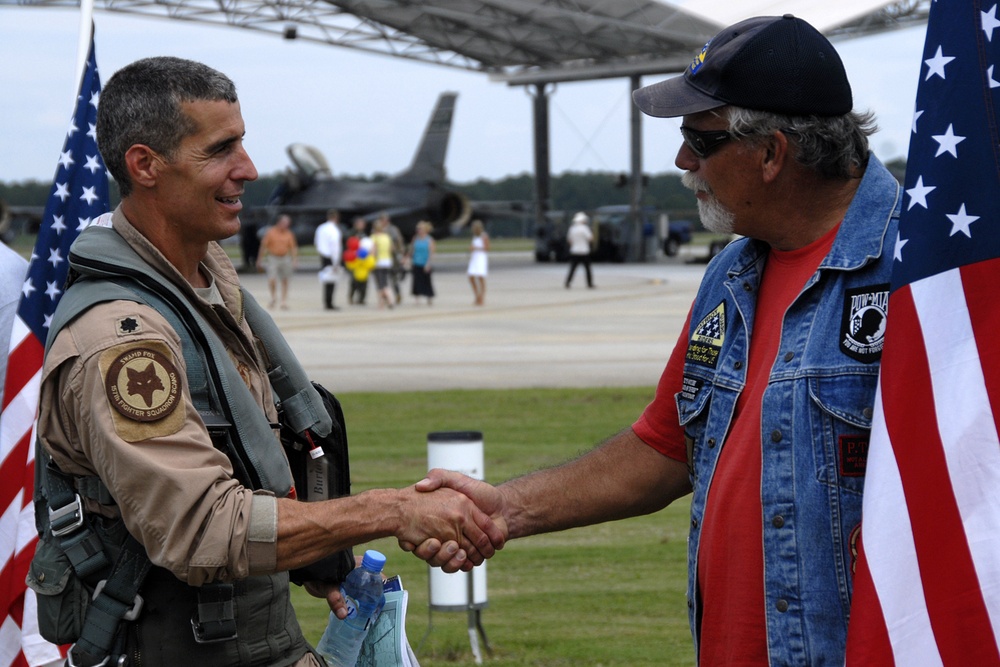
{"x": 364, "y": 594}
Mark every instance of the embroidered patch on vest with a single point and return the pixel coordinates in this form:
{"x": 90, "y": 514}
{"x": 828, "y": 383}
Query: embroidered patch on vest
{"x": 853, "y": 455}
{"x": 690, "y": 388}
{"x": 852, "y": 540}
{"x": 128, "y": 326}
{"x": 706, "y": 341}
{"x": 863, "y": 327}
{"x": 142, "y": 384}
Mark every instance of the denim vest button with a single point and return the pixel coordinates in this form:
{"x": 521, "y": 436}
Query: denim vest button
{"x": 781, "y": 605}
{"x": 778, "y": 521}
{"x": 789, "y": 356}
{"x": 775, "y": 436}
{"x": 747, "y": 287}
{"x": 694, "y": 524}
{"x": 867, "y": 412}
{"x": 711, "y": 443}
{"x": 738, "y": 365}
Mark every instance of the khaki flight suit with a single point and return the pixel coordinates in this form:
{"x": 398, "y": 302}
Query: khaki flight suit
{"x": 115, "y": 403}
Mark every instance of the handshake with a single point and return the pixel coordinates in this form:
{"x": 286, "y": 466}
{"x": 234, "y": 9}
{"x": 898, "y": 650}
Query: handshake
{"x": 454, "y": 522}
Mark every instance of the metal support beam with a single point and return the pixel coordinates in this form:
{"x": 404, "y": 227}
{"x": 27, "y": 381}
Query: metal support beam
{"x": 637, "y": 248}
{"x": 540, "y": 107}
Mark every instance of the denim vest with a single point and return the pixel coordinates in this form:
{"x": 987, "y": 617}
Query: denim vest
{"x": 816, "y": 417}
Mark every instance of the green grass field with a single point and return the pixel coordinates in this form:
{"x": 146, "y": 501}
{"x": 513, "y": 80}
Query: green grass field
{"x": 609, "y": 595}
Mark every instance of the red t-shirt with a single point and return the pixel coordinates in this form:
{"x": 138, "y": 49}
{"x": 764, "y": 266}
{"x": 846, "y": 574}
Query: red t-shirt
{"x": 730, "y": 556}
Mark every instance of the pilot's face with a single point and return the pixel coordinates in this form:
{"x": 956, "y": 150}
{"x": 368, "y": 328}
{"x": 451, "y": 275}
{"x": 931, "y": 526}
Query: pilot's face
{"x": 200, "y": 188}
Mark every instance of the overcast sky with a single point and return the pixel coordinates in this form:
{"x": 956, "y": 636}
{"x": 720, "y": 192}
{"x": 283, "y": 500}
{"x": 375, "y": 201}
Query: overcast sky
{"x": 366, "y": 112}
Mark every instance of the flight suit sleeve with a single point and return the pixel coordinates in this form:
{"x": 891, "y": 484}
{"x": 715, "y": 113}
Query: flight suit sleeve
{"x": 115, "y": 403}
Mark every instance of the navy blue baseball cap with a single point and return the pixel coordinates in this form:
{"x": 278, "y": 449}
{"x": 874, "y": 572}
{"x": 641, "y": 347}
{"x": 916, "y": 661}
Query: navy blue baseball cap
{"x": 768, "y": 63}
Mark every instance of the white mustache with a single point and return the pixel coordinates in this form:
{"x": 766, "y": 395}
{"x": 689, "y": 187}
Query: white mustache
{"x": 692, "y": 182}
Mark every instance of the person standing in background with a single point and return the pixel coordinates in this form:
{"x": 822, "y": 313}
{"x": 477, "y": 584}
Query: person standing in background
{"x": 580, "y": 240}
{"x": 329, "y": 243}
{"x": 383, "y": 248}
{"x": 420, "y": 255}
{"x": 478, "y": 261}
{"x": 279, "y": 254}
{"x": 398, "y": 271}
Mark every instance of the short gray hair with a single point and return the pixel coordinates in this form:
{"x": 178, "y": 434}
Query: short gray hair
{"x": 141, "y": 104}
{"x": 835, "y": 146}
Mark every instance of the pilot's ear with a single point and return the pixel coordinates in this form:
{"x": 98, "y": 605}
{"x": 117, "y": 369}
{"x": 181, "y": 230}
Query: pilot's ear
{"x": 143, "y": 164}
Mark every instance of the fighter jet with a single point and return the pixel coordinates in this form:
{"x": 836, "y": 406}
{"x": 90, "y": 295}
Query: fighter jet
{"x": 309, "y": 189}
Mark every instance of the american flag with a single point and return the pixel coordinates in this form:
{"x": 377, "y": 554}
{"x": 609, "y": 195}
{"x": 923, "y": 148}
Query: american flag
{"x": 927, "y": 588}
{"x": 79, "y": 195}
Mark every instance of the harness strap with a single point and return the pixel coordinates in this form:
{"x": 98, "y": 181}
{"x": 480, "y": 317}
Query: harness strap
{"x": 69, "y": 526}
{"x": 116, "y": 598}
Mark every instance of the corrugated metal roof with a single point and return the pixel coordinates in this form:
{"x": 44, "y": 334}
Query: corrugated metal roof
{"x": 520, "y": 41}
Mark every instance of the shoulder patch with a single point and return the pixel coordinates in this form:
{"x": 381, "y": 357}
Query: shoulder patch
{"x": 862, "y": 330}
{"x": 143, "y": 389}
{"x": 706, "y": 342}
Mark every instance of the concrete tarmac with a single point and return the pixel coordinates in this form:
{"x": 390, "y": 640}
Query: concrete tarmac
{"x": 531, "y": 332}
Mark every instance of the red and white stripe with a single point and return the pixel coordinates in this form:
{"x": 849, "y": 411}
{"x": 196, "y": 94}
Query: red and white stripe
{"x": 927, "y": 590}
{"x": 20, "y": 643}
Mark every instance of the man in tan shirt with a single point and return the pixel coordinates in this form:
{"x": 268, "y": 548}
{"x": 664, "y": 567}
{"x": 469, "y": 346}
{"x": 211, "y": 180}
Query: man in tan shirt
{"x": 279, "y": 254}
{"x": 115, "y": 402}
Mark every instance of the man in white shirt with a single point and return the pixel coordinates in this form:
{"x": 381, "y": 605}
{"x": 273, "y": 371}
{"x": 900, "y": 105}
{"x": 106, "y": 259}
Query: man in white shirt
{"x": 328, "y": 244}
{"x": 579, "y": 237}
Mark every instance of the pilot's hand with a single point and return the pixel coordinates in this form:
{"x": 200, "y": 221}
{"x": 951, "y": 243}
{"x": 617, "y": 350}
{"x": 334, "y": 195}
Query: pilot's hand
{"x": 331, "y": 592}
{"x": 463, "y": 534}
{"x": 486, "y": 497}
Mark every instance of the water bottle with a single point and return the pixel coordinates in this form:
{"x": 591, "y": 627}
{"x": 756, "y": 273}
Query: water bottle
{"x": 363, "y": 593}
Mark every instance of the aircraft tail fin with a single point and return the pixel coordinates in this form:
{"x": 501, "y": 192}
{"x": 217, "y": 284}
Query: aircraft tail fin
{"x": 428, "y": 162}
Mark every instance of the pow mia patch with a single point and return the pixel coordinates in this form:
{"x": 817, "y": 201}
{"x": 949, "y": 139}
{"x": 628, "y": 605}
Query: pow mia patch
{"x": 142, "y": 384}
{"x": 862, "y": 330}
{"x": 706, "y": 342}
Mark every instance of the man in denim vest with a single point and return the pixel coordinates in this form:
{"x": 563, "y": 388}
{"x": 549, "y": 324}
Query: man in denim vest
{"x": 765, "y": 406}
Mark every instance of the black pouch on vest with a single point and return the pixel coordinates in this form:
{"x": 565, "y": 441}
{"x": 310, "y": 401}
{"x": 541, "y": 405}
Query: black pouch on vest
{"x": 321, "y": 477}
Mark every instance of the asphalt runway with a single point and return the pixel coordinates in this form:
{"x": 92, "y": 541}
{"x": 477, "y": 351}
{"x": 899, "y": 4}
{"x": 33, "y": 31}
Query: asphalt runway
{"x": 531, "y": 332}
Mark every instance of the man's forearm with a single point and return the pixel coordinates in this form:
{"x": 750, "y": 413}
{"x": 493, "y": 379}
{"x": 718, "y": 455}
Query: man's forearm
{"x": 621, "y": 478}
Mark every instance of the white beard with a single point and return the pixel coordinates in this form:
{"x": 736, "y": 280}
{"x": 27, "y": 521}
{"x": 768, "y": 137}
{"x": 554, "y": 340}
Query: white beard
{"x": 714, "y": 216}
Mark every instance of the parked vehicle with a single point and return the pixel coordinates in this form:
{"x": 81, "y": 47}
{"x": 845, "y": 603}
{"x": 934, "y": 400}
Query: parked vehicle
{"x": 614, "y": 236}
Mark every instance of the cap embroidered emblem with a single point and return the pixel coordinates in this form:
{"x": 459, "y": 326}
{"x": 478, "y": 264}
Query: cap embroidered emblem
{"x": 142, "y": 384}
{"x": 699, "y": 59}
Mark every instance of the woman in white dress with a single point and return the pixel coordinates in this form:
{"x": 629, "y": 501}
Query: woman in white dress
{"x": 478, "y": 262}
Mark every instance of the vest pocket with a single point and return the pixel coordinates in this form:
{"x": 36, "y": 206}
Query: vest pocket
{"x": 692, "y": 402}
{"x": 841, "y": 427}
{"x": 62, "y": 596}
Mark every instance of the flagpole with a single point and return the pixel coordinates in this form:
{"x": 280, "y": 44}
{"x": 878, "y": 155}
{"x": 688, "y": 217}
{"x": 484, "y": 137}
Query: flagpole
{"x": 83, "y": 44}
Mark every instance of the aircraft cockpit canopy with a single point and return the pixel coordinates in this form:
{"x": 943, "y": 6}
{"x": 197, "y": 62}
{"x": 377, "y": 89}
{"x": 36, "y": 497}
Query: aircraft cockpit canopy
{"x": 308, "y": 160}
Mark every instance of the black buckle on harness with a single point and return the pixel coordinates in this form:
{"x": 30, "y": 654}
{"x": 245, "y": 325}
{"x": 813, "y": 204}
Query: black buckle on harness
{"x": 134, "y": 610}
{"x": 120, "y": 662}
{"x": 215, "y": 618}
{"x": 70, "y": 662}
{"x": 213, "y": 632}
{"x": 66, "y": 519}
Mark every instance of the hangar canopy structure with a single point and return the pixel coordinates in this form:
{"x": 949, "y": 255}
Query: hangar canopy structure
{"x": 532, "y": 43}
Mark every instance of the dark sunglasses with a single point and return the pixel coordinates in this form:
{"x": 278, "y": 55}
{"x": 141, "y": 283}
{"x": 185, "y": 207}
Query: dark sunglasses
{"x": 704, "y": 143}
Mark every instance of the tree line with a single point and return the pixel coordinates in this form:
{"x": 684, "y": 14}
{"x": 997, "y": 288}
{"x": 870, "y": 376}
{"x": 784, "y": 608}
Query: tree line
{"x": 570, "y": 191}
